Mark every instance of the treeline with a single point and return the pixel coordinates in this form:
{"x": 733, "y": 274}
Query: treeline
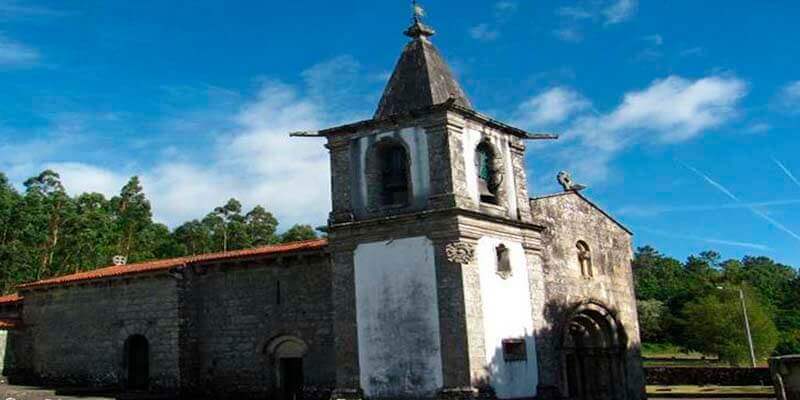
{"x": 696, "y": 304}
{"x": 44, "y": 232}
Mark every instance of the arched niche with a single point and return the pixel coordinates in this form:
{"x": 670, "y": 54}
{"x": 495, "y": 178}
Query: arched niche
{"x": 286, "y": 355}
{"x": 592, "y": 353}
{"x": 388, "y": 174}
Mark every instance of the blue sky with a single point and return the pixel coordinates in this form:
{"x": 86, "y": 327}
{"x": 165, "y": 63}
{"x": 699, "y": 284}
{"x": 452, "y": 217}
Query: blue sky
{"x": 682, "y": 117}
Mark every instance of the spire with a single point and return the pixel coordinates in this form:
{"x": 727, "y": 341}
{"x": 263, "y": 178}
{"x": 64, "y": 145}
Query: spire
{"x": 421, "y": 77}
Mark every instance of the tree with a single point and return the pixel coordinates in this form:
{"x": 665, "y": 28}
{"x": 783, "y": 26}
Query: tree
{"x": 299, "y": 232}
{"x": 715, "y": 325}
{"x": 227, "y": 225}
{"x": 46, "y": 202}
{"x": 89, "y": 235}
{"x": 651, "y": 314}
{"x": 261, "y": 226}
{"x": 657, "y": 277}
{"x": 133, "y": 216}
{"x": 193, "y": 237}
{"x": 11, "y": 248}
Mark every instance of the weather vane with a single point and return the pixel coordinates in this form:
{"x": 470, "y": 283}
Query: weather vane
{"x": 419, "y": 12}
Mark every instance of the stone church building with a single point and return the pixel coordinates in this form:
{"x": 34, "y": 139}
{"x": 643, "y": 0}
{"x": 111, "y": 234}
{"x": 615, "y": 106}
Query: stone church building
{"x": 440, "y": 278}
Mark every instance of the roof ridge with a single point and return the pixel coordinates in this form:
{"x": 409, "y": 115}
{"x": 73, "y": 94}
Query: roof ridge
{"x": 161, "y": 264}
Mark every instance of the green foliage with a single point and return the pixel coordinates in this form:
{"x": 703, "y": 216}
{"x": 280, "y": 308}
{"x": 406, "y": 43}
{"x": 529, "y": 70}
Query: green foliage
{"x": 299, "y": 232}
{"x": 716, "y": 325}
{"x": 680, "y": 286}
{"x": 44, "y": 232}
{"x": 651, "y": 318}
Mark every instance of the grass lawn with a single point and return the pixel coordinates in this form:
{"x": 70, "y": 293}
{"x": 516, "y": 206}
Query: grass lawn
{"x": 688, "y": 389}
{"x": 670, "y": 355}
{"x": 667, "y": 350}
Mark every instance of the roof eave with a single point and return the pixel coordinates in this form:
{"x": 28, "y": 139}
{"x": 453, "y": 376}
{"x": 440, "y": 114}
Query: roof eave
{"x": 427, "y": 110}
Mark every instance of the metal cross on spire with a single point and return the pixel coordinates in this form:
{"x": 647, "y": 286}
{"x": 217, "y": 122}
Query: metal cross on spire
{"x": 419, "y": 12}
{"x": 418, "y": 29}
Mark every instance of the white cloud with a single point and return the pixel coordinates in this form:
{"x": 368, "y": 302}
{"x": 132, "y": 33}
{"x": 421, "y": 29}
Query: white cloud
{"x": 83, "y": 178}
{"x": 551, "y": 107}
{"x": 16, "y": 54}
{"x": 669, "y": 110}
{"x": 693, "y": 51}
{"x": 256, "y": 163}
{"x": 789, "y": 97}
{"x": 11, "y": 9}
{"x": 569, "y": 34}
{"x": 655, "y": 40}
{"x": 574, "y": 12}
{"x": 503, "y": 9}
{"x": 758, "y": 127}
{"x": 673, "y": 109}
{"x": 620, "y": 11}
{"x": 483, "y": 33}
{"x": 489, "y": 31}
{"x": 574, "y": 18}
{"x": 252, "y": 159}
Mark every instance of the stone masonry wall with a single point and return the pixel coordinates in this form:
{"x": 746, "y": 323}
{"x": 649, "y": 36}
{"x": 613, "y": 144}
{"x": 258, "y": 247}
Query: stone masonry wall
{"x": 570, "y": 218}
{"x": 235, "y": 312}
{"x": 76, "y": 335}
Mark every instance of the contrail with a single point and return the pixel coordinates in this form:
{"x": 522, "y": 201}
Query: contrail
{"x": 786, "y": 170}
{"x": 645, "y": 211}
{"x": 754, "y": 210}
{"x": 715, "y": 184}
{"x": 755, "y": 246}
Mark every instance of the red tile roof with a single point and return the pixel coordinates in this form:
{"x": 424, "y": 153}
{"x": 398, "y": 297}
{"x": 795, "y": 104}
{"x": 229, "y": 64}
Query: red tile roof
{"x": 160, "y": 265}
{"x": 10, "y": 323}
{"x": 10, "y": 298}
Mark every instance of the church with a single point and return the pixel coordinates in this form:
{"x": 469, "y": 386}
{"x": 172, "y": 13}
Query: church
{"x": 440, "y": 278}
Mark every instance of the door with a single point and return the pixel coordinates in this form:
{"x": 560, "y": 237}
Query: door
{"x": 138, "y": 363}
{"x": 291, "y": 373}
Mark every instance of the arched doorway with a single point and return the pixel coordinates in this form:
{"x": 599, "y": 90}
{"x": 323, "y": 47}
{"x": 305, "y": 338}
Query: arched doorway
{"x": 137, "y": 362}
{"x": 593, "y": 357}
{"x": 286, "y": 354}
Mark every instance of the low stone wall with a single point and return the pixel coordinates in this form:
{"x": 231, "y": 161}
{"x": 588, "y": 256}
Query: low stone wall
{"x": 707, "y": 376}
{"x": 786, "y": 375}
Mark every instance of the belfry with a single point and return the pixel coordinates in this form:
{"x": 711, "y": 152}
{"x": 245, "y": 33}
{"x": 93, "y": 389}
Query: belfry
{"x": 440, "y": 278}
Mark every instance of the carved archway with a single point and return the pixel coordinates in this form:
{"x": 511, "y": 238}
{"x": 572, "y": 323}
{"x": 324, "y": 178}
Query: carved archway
{"x": 593, "y": 354}
{"x": 286, "y": 354}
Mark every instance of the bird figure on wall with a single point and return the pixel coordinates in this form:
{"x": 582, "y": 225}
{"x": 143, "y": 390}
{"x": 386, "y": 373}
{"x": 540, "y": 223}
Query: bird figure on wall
{"x": 565, "y": 180}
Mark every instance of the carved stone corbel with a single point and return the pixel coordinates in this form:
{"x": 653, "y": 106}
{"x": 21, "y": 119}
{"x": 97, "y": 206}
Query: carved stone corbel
{"x": 460, "y": 252}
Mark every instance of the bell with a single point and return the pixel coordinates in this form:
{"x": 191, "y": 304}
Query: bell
{"x": 485, "y": 193}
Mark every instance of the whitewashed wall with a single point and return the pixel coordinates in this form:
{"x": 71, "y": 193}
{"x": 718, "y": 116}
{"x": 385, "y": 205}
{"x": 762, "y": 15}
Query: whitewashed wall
{"x": 507, "y": 315}
{"x": 397, "y": 311}
{"x": 470, "y": 141}
{"x": 416, "y": 141}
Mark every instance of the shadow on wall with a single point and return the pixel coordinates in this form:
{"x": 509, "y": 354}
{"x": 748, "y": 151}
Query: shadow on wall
{"x": 582, "y": 352}
{"x": 15, "y": 365}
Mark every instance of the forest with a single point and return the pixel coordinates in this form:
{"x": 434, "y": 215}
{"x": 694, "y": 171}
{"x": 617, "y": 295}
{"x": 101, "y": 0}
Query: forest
{"x": 696, "y": 305}
{"x": 45, "y": 232}
{"x": 692, "y": 305}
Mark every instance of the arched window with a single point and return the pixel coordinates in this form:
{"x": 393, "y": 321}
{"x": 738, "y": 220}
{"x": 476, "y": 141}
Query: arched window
{"x": 488, "y": 178}
{"x": 287, "y": 353}
{"x": 393, "y": 164}
{"x": 585, "y": 259}
{"x": 503, "y": 261}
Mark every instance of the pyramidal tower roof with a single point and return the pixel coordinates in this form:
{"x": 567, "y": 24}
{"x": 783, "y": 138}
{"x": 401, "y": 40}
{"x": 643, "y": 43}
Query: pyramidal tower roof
{"x": 421, "y": 77}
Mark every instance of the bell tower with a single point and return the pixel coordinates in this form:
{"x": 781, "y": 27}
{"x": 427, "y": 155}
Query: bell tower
{"x": 432, "y": 242}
